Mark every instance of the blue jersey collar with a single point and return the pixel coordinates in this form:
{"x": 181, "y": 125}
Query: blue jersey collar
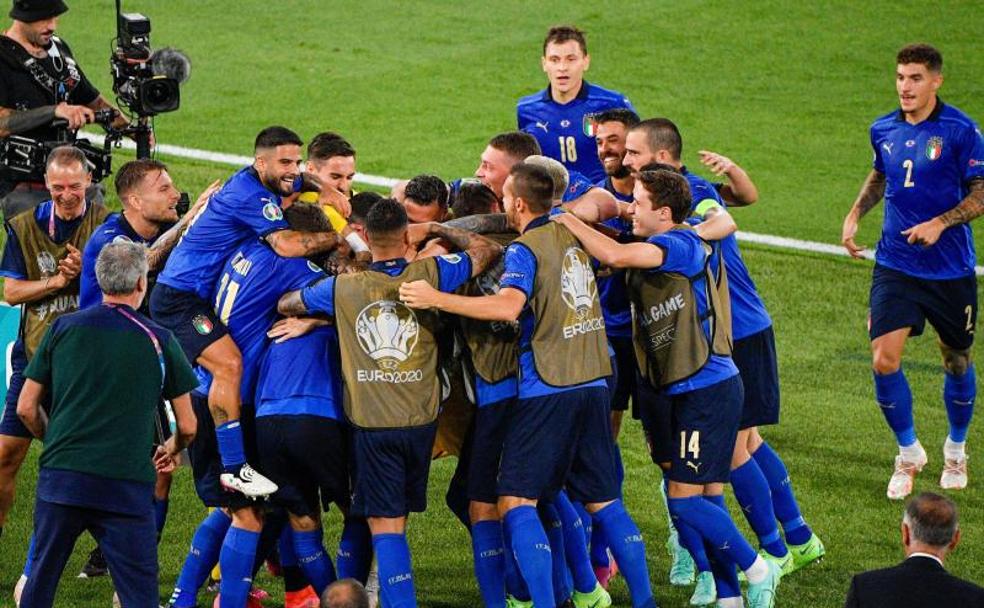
{"x": 934, "y": 115}
{"x": 536, "y": 222}
{"x": 388, "y": 266}
{"x": 582, "y": 93}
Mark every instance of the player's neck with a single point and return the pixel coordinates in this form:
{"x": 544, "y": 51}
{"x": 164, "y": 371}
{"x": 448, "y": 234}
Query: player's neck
{"x": 623, "y": 185}
{"x": 914, "y": 118}
{"x": 145, "y": 228}
{"x": 569, "y": 96}
{"x": 133, "y": 300}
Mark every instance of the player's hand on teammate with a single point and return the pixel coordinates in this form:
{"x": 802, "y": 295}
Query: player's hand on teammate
{"x": 164, "y": 461}
{"x": 926, "y": 233}
{"x": 334, "y": 197}
{"x": 419, "y": 294}
{"x": 848, "y": 232}
{"x": 293, "y": 327}
{"x": 717, "y": 163}
{"x": 77, "y": 116}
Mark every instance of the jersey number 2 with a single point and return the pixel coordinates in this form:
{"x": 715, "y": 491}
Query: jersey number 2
{"x": 908, "y": 174}
{"x": 568, "y": 149}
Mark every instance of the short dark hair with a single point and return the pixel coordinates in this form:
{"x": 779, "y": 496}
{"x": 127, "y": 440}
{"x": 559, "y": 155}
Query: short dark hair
{"x": 133, "y": 172}
{"x": 662, "y": 134}
{"x": 67, "y": 155}
{"x": 921, "y": 53}
{"x": 534, "y": 185}
{"x": 362, "y": 203}
{"x": 307, "y": 217}
{"x": 387, "y": 217}
{"x": 563, "y": 33}
{"x": 654, "y": 166}
{"x": 328, "y": 145}
{"x": 932, "y": 519}
{"x": 668, "y": 189}
{"x": 271, "y": 137}
{"x": 473, "y": 198}
{"x": 623, "y": 115}
{"x": 517, "y": 144}
{"x": 427, "y": 190}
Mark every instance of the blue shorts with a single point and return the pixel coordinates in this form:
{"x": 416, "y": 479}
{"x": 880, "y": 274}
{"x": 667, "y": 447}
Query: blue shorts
{"x": 489, "y": 433}
{"x": 307, "y": 457}
{"x": 192, "y": 319}
{"x": 11, "y": 424}
{"x": 206, "y": 463}
{"x": 705, "y": 427}
{"x": 656, "y": 412}
{"x": 557, "y": 441}
{"x": 390, "y": 470}
{"x": 755, "y": 358}
{"x": 899, "y": 300}
{"x": 624, "y": 374}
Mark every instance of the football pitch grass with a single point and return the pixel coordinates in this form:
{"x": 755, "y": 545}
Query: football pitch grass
{"x": 787, "y": 90}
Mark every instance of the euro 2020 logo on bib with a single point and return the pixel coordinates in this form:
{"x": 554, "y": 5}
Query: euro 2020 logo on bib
{"x": 387, "y": 331}
{"x": 577, "y": 282}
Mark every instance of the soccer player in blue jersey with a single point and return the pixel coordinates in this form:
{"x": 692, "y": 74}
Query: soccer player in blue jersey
{"x": 247, "y": 207}
{"x": 705, "y": 395}
{"x": 929, "y": 167}
{"x": 561, "y": 116}
{"x": 389, "y": 367}
{"x": 245, "y": 301}
{"x": 611, "y": 127}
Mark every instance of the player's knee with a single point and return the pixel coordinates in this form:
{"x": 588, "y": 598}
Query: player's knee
{"x": 303, "y": 523}
{"x": 248, "y": 518}
{"x": 230, "y": 369}
{"x": 12, "y": 453}
{"x": 482, "y": 511}
{"x": 956, "y": 362}
{"x": 885, "y": 362}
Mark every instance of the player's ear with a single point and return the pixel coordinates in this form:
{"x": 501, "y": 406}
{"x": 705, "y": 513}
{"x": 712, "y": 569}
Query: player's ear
{"x": 587, "y": 62}
{"x": 543, "y": 63}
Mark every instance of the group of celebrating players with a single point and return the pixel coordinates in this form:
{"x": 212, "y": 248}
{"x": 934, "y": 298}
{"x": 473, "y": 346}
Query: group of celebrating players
{"x": 342, "y": 340}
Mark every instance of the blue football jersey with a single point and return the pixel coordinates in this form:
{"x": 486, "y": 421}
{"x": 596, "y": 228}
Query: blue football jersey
{"x": 301, "y": 377}
{"x": 245, "y": 299}
{"x": 242, "y": 210}
{"x": 115, "y": 228}
{"x": 609, "y": 186}
{"x": 566, "y": 131}
{"x": 927, "y": 169}
{"x": 613, "y": 292}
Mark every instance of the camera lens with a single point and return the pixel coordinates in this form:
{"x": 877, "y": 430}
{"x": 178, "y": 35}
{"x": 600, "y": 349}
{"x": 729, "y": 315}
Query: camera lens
{"x": 159, "y": 95}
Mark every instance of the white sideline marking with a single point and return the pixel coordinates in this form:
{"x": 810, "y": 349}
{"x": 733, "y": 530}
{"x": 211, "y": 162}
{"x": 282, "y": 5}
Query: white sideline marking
{"x": 780, "y": 242}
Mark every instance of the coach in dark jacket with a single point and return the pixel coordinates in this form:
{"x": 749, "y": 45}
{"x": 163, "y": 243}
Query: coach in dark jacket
{"x": 929, "y": 532}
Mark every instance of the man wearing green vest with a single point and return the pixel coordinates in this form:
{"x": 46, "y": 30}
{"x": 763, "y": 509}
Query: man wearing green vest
{"x": 683, "y": 346}
{"x": 40, "y": 265}
{"x": 559, "y": 436}
{"x": 389, "y": 367}
{"x": 105, "y": 368}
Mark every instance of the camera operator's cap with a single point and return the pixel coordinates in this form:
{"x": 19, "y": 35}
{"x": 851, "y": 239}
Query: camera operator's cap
{"x": 36, "y": 10}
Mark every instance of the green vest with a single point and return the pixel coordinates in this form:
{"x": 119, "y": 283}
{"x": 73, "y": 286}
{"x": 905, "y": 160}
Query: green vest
{"x": 389, "y": 351}
{"x": 667, "y": 331}
{"x": 41, "y": 257}
{"x": 569, "y": 343}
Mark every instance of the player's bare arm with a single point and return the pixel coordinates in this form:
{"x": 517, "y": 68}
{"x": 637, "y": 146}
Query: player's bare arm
{"x": 295, "y": 244}
{"x": 503, "y": 306}
{"x": 594, "y": 206}
{"x": 717, "y": 224}
{"x": 608, "y": 251}
{"x": 29, "y": 407}
{"x": 482, "y": 251}
{"x": 291, "y": 304}
{"x": 485, "y": 223}
{"x": 158, "y": 252}
{"x": 969, "y": 209}
{"x": 19, "y": 291}
{"x": 871, "y": 193}
{"x": 740, "y": 189}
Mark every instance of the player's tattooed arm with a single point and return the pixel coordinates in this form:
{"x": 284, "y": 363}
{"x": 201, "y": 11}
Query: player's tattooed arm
{"x": 291, "y": 304}
{"x": 158, "y": 252}
{"x": 969, "y": 209}
{"x": 296, "y": 244}
{"x": 871, "y": 192}
{"x": 483, "y": 223}
{"x": 482, "y": 251}
{"x": 13, "y": 122}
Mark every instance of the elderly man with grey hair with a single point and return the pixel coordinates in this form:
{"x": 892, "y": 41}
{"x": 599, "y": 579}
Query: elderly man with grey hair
{"x": 929, "y": 532}
{"x": 105, "y": 368}
{"x": 345, "y": 593}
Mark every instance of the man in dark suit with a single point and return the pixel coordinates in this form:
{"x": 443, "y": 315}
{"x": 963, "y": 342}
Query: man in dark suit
{"x": 929, "y": 533}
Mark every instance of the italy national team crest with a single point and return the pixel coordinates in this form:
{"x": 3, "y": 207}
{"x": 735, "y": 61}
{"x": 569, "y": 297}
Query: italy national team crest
{"x": 934, "y": 148}
{"x": 202, "y": 324}
{"x": 589, "y": 125}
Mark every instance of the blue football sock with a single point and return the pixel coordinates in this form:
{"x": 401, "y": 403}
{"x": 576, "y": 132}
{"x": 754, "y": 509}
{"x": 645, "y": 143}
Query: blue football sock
{"x": 587, "y": 524}
{"x": 515, "y": 585}
{"x": 230, "y": 439}
{"x": 160, "y": 516}
{"x": 236, "y": 561}
{"x": 783, "y": 500}
{"x": 532, "y": 550}
{"x": 599, "y": 549}
{"x": 753, "y": 494}
{"x": 959, "y": 393}
{"x": 395, "y": 571}
{"x": 715, "y": 526}
{"x": 664, "y": 494}
{"x": 313, "y": 559}
{"x": 575, "y": 549}
{"x": 725, "y": 575}
{"x": 563, "y": 583}
{"x": 202, "y": 557}
{"x": 489, "y": 556}
{"x": 628, "y": 549}
{"x": 691, "y": 540}
{"x": 285, "y": 547}
{"x": 29, "y": 558}
{"x": 895, "y": 400}
{"x": 354, "y": 556}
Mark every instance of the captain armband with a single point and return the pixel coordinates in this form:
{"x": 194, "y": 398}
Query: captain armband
{"x": 706, "y": 205}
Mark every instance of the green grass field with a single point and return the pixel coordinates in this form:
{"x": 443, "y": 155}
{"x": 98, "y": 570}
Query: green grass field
{"x": 786, "y": 89}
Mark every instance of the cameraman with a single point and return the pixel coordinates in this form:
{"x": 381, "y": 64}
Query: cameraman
{"x": 39, "y": 83}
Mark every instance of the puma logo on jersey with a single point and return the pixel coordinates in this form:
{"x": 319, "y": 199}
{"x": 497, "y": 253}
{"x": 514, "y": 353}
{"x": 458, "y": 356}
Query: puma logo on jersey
{"x": 695, "y": 466}
{"x": 542, "y": 125}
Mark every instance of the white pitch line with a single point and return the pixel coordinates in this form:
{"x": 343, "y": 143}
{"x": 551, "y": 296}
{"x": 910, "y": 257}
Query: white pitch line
{"x": 780, "y": 242}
